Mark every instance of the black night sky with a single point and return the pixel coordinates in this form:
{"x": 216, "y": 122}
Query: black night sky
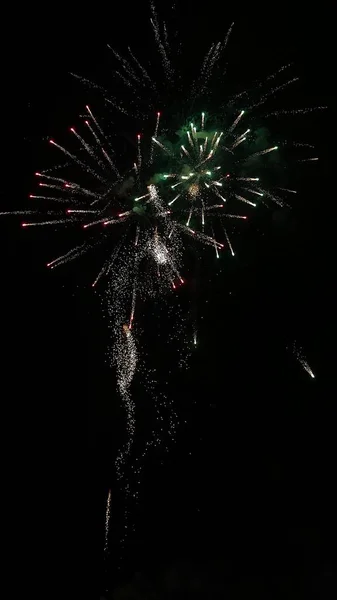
{"x": 243, "y": 503}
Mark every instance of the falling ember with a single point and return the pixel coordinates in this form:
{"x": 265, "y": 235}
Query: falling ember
{"x": 298, "y": 353}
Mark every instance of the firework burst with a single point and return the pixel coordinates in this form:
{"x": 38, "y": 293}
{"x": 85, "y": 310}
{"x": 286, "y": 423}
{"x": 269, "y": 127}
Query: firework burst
{"x": 197, "y": 166}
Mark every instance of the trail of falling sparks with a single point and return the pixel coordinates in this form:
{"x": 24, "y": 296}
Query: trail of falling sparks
{"x": 107, "y": 522}
{"x": 298, "y": 353}
{"x": 126, "y": 362}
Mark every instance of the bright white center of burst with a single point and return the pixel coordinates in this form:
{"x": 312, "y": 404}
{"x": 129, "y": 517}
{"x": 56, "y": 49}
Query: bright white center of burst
{"x": 159, "y": 252}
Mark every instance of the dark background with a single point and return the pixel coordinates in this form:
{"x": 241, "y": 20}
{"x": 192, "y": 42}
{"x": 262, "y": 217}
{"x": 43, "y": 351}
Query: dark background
{"x": 245, "y": 496}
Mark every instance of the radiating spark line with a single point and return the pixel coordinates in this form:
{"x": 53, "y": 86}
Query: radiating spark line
{"x": 228, "y": 216}
{"x": 54, "y": 222}
{"x": 142, "y": 69}
{"x": 288, "y": 190}
{"x": 77, "y": 160}
{"x": 133, "y": 306}
{"x": 126, "y": 65}
{"x": 174, "y": 199}
{"x": 189, "y": 218}
{"x": 103, "y": 270}
{"x": 52, "y": 198}
{"x": 232, "y": 127}
{"x": 236, "y": 144}
{"x": 142, "y": 197}
{"x": 185, "y": 151}
{"x": 228, "y": 242}
{"x": 80, "y": 211}
{"x": 274, "y": 91}
{"x": 253, "y": 191}
{"x": 154, "y": 136}
{"x": 215, "y": 245}
{"x": 162, "y": 51}
{"x": 263, "y": 152}
{"x": 295, "y": 111}
{"x": 18, "y": 212}
{"x": 86, "y": 146}
{"x": 95, "y": 120}
{"x": 139, "y": 154}
{"x": 242, "y": 199}
{"x": 102, "y": 220}
{"x": 161, "y": 145}
{"x": 137, "y": 235}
